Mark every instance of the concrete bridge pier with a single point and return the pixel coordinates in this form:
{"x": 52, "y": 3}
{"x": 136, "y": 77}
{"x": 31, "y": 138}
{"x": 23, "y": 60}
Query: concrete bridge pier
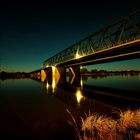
{"x": 74, "y": 75}
{"x": 62, "y": 75}
{"x": 57, "y": 75}
{"x": 48, "y": 72}
{"x": 35, "y": 75}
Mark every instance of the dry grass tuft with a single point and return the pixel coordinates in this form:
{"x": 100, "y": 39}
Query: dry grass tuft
{"x": 95, "y": 127}
{"x": 99, "y": 127}
{"x": 137, "y": 117}
{"x": 128, "y": 120}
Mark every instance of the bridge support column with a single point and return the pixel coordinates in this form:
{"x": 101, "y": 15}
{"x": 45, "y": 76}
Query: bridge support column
{"x": 74, "y": 75}
{"x": 62, "y": 74}
{"x": 48, "y": 72}
{"x": 39, "y": 75}
{"x": 55, "y": 75}
{"x": 43, "y": 75}
{"x": 35, "y": 75}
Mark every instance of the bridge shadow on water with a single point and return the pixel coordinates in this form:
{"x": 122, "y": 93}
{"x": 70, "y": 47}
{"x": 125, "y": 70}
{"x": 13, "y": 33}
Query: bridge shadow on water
{"x": 117, "y": 97}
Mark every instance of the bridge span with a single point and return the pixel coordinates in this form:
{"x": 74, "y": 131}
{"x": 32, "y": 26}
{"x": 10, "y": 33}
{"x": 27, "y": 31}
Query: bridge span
{"x": 117, "y": 41}
{"x": 127, "y": 50}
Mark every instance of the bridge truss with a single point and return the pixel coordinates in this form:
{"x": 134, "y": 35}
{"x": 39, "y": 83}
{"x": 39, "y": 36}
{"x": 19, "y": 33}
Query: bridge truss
{"x": 124, "y": 30}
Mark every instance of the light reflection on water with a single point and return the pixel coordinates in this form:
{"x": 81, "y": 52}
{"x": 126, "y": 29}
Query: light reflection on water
{"x": 79, "y": 96}
{"x": 47, "y": 86}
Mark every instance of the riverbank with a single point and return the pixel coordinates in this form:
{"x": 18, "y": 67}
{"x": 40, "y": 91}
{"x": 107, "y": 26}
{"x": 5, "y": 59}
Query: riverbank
{"x": 13, "y": 75}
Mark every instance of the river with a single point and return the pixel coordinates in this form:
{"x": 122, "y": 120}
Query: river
{"x": 36, "y": 110}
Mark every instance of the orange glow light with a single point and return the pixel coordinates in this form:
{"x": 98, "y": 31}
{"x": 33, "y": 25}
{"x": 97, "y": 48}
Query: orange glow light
{"x": 79, "y": 96}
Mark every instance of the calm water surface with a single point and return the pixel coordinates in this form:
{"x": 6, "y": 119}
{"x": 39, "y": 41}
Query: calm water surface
{"x": 123, "y": 82}
{"x": 36, "y": 110}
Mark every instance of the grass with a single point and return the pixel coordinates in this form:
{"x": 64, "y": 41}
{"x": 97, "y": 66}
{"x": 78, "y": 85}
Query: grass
{"x": 96, "y": 127}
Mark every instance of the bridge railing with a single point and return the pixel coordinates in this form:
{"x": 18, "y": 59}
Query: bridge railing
{"x": 125, "y": 30}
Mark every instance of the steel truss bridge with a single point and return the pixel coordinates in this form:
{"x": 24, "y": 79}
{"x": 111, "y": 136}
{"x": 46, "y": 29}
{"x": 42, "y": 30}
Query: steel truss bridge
{"x": 116, "y": 41}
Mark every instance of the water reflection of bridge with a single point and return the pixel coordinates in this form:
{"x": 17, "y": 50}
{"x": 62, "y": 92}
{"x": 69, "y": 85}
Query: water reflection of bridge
{"x": 77, "y": 95}
{"x": 118, "y": 41}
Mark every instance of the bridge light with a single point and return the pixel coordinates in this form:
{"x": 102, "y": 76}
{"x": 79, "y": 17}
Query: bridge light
{"x": 53, "y": 69}
{"x": 53, "y": 79}
{"x": 77, "y": 56}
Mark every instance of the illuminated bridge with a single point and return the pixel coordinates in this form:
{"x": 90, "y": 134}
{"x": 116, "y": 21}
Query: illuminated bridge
{"x": 117, "y": 41}
{"x": 120, "y": 40}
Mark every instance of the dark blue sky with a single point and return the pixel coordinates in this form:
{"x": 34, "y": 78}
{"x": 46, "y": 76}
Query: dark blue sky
{"x": 31, "y": 32}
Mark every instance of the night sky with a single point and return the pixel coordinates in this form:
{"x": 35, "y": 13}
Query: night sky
{"x": 31, "y": 32}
